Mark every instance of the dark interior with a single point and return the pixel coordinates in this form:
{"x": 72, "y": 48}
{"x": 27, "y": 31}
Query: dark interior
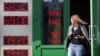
{"x": 82, "y": 8}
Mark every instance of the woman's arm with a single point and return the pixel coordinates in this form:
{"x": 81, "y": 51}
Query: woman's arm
{"x": 69, "y": 34}
{"x": 67, "y": 37}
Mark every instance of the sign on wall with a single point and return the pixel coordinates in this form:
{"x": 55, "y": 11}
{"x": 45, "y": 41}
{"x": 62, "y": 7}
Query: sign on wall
{"x": 15, "y": 27}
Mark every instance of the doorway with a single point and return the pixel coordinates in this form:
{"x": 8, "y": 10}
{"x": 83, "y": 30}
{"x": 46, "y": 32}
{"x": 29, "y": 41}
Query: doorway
{"x": 82, "y": 8}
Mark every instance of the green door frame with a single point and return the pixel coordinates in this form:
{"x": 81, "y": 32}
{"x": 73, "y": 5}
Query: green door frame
{"x": 96, "y": 27}
{"x": 48, "y": 50}
{"x": 36, "y": 22}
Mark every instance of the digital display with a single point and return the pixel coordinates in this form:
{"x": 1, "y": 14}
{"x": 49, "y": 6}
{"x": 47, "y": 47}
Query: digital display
{"x": 11, "y": 6}
{"x": 15, "y": 40}
{"x": 15, "y": 20}
{"x": 52, "y": 22}
{"x": 21, "y": 52}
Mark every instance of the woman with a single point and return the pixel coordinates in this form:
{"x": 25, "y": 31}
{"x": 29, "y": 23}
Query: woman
{"x": 76, "y": 36}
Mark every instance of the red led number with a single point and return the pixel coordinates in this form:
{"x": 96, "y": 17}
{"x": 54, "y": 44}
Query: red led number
{"x": 54, "y": 13}
{"x": 20, "y": 52}
{"x": 15, "y": 6}
{"x": 54, "y": 21}
{"x": 55, "y": 41}
{"x": 15, "y": 40}
{"x": 15, "y": 20}
{"x": 55, "y": 33}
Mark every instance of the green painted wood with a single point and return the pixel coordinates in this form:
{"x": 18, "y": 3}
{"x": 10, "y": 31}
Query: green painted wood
{"x": 96, "y": 22}
{"x": 66, "y": 15}
{"x": 36, "y": 20}
{"x": 96, "y": 52}
{"x": 53, "y": 46}
{"x": 36, "y": 26}
{"x": 53, "y": 52}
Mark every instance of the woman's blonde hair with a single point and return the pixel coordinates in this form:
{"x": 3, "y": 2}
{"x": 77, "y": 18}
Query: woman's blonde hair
{"x": 78, "y": 19}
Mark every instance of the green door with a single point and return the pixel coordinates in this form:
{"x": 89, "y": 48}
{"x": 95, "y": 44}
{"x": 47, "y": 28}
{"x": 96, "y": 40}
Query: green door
{"x": 50, "y": 24}
{"x": 96, "y": 28}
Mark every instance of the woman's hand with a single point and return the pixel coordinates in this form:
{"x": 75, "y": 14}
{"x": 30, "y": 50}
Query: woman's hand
{"x": 80, "y": 37}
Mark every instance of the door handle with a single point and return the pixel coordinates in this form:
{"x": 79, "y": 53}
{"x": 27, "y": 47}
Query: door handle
{"x": 97, "y": 34}
{"x": 37, "y": 46}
